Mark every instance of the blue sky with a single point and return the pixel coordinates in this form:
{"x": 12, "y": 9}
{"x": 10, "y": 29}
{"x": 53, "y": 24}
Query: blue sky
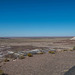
{"x": 37, "y": 18}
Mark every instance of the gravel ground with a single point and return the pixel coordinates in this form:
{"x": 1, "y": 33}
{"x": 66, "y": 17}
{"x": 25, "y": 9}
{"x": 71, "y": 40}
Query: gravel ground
{"x": 43, "y": 64}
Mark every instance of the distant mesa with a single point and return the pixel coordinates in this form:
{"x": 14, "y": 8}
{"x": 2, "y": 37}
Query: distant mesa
{"x": 72, "y": 38}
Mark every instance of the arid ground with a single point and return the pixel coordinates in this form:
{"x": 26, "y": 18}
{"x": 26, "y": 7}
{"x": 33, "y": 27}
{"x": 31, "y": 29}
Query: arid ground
{"x": 40, "y": 64}
{"x": 45, "y": 64}
{"x": 50, "y": 42}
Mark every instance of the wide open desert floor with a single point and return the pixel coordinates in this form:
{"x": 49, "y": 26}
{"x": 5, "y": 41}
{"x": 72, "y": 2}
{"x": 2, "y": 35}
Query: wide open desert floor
{"x": 43, "y": 64}
{"x": 40, "y": 64}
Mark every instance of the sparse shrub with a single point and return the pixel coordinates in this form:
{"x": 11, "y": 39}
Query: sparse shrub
{"x": 29, "y": 55}
{"x": 65, "y": 50}
{"x": 74, "y": 48}
{"x": 1, "y": 72}
{"x": 41, "y": 53}
{"x": 52, "y": 52}
{"x": 71, "y": 50}
{"x": 6, "y": 60}
{"x": 21, "y": 57}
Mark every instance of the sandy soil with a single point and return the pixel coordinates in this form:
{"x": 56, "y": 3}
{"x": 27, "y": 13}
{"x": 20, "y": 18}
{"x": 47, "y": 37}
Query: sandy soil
{"x": 45, "y": 64}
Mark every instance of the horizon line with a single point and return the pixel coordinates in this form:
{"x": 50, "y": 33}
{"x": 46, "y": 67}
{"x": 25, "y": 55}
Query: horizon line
{"x": 33, "y": 36}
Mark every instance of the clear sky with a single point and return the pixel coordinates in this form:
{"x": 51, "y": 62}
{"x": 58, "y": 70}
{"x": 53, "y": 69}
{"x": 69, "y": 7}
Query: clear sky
{"x": 37, "y": 18}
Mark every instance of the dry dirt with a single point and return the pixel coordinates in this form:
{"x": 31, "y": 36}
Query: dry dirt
{"x": 50, "y": 42}
{"x": 45, "y": 64}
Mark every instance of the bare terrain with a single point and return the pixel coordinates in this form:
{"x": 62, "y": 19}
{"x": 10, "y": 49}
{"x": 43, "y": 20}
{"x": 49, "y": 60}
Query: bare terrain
{"x": 39, "y": 64}
{"x": 52, "y": 42}
{"x": 46, "y": 64}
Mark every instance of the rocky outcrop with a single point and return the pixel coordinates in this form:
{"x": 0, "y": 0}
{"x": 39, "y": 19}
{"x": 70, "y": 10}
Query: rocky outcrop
{"x": 72, "y": 38}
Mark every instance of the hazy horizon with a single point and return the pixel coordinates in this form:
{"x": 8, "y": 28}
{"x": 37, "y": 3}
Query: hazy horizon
{"x": 37, "y": 36}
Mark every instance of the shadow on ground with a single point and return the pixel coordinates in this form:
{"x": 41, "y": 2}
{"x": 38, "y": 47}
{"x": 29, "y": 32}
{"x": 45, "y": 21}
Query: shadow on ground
{"x": 71, "y": 71}
{"x": 3, "y": 74}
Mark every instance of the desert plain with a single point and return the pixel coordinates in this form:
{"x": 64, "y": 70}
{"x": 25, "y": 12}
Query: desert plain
{"x": 40, "y": 64}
